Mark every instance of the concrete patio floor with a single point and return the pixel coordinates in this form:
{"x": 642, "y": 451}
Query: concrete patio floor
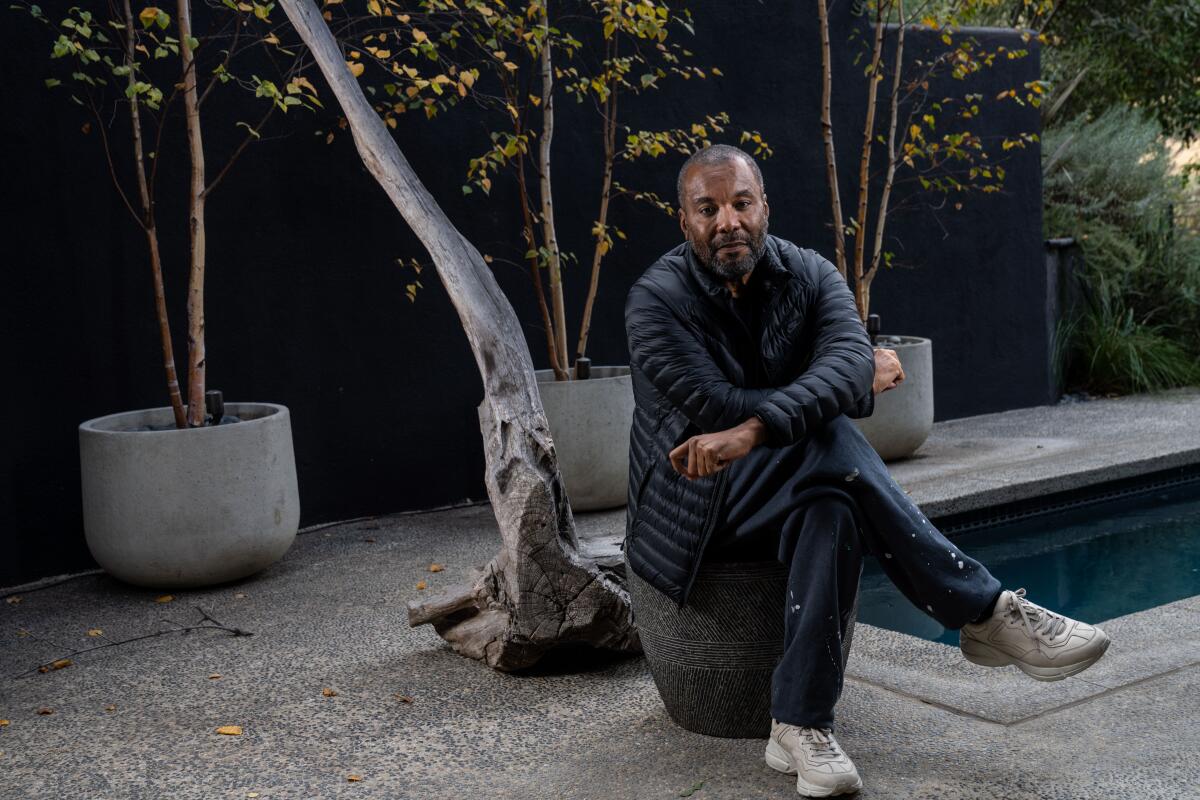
{"x": 139, "y": 720}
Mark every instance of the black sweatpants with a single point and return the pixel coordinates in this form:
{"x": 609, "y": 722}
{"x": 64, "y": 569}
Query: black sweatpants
{"x": 781, "y": 505}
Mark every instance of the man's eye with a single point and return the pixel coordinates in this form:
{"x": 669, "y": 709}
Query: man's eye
{"x": 706, "y": 210}
{"x": 743, "y": 204}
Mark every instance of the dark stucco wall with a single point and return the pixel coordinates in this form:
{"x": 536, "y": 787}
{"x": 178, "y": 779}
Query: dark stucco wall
{"x": 306, "y": 305}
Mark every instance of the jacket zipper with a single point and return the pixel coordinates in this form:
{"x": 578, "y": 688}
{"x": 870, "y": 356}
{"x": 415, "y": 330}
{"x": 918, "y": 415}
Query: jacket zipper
{"x": 710, "y": 522}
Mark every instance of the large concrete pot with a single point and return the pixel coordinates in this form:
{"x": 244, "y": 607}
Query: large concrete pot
{"x": 903, "y": 416}
{"x": 590, "y": 421}
{"x": 170, "y": 508}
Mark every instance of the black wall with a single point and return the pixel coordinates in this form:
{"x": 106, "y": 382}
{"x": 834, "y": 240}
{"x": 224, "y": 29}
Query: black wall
{"x": 306, "y": 306}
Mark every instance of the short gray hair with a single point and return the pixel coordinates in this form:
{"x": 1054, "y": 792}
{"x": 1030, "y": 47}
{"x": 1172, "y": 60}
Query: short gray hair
{"x": 717, "y": 154}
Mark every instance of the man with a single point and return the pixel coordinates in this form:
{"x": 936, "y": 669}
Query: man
{"x": 747, "y": 358}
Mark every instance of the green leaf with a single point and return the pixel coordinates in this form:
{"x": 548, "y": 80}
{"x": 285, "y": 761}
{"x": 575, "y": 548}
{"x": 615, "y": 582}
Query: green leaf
{"x": 52, "y": 82}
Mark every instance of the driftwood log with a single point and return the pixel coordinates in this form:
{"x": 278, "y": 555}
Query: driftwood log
{"x": 542, "y": 589}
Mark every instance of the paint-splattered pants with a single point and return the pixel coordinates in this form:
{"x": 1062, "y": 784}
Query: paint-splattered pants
{"x": 818, "y": 506}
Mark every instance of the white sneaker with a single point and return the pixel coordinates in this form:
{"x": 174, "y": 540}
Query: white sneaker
{"x": 813, "y": 756}
{"x": 1044, "y": 645}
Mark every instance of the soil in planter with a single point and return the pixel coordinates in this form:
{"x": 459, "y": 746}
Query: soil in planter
{"x": 228, "y": 419}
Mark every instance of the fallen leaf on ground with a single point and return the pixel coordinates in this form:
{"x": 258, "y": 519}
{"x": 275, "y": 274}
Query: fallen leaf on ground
{"x": 240, "y": 596}
{"x": 329, "y": 692}
{"x": 166, "y": 598}
{"x": 3, "y": 723}
{"x": 216, "y": 676}
{"x": 22, "y": 633}
{"x": 12, "y": 601}
{"x": 404, "y": 698}
{"x": 420, "y": 585}
{"x": 230, "y": 730}
{"x": 354, "y": 778}
{"x": 110, "y": 707}
{"x": 62, "y": 662}
{"x": 95, "y": 632}
{"x": 44, "y": 711}
{"x": 691, "y": 791}
{"x": 436, "y": 568}
{"x": 251, "y": 794}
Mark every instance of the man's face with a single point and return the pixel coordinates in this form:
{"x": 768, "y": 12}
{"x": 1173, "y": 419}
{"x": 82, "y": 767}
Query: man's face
{"x": 724, "y": 216}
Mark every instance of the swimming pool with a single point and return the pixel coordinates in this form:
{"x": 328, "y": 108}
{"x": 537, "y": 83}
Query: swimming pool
{"x": 1093, "y": 562}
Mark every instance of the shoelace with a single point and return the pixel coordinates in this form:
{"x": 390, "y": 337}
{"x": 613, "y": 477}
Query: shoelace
{"x": 1040, "y": 622}
{"x": 821, "y": 743}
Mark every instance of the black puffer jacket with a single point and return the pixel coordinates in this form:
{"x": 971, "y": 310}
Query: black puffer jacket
{"x": 690, "y": 358}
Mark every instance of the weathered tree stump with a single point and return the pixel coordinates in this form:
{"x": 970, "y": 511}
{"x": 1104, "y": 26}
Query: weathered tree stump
{"x": 542, "y": 589}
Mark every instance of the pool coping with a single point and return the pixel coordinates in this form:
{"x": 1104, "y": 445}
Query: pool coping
{"x": 992, "y": 459}
{"x": 1145, "y": 645}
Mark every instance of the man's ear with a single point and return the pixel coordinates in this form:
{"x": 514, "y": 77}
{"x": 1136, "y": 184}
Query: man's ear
{"x": 683, "y": 224}
{"x": 766, "y": 206}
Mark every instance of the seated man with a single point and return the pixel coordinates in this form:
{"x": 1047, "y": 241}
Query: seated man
{"x": 747, "y": 356}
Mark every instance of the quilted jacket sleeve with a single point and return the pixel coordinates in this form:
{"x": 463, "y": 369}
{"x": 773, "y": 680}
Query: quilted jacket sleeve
{"x": 675, "y": 361}
{"x": 840, "y": 375}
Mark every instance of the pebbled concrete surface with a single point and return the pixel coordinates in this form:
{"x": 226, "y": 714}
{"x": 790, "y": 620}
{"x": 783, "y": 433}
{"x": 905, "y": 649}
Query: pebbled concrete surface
{"x": 138, "y": 720}
{"x": 976, "y": 462}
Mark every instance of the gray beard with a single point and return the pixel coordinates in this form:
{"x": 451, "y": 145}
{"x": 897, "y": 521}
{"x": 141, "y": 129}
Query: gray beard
{"x": 732, "y": 270}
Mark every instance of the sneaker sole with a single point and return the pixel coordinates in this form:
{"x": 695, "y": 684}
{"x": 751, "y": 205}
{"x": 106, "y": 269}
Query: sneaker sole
{"x": 995, "y": 658}
{"x": 779, "y": 759}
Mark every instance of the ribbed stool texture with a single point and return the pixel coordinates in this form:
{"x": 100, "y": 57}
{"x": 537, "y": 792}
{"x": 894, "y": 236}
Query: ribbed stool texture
{"x": 712, "y": 660}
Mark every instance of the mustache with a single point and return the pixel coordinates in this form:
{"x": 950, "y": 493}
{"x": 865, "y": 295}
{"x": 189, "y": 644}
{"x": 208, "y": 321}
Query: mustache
{"x": 721, "y": 241}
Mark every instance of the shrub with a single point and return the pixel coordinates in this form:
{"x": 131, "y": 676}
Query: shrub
{"x": 1110, "y": 185}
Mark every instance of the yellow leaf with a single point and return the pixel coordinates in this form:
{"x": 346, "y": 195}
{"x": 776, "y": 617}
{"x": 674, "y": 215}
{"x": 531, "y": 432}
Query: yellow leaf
{"x": 327, "y": 692}
{"x": 148, "y": 15}
{"x": 486, "y": 183}
{"x": 468, "y": 78}
{"x": 271, "y": 39}
{"x": 45, "y": 711}
{"x": 61, "y": 663}
{"x": 510, "y": 66}
{"x": 216, "y": 676}
{"x": 436, "y": 568}
{"x": 419, "y": 35}
{"x": 537, "y": 101}
{"x": 3, "y": 723}
{"x": 251, "y": 794}
{"x": 95, "y": 632}
{"x": 110, "y": 707}
{"x": 391, "y": 123}
{"x": 230, "y": 730}
{"x": 421, "y": 584}
{"x": 403, "y": 698}
{"x": 166, "y": 598}
{"x": 356, "y": 68}
{"x": 354, "y": 778}
{"x": 462, "y": 90}
{"x": 373, "y": 7}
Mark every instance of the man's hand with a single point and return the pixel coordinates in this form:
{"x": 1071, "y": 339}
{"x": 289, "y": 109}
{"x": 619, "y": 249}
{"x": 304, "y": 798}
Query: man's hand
{"x": 888, "y": 372}
{"x": 711, "y": 452}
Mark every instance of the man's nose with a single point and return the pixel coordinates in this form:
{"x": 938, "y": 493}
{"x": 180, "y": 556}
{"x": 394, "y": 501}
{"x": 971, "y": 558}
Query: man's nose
{"x": 727, "y": 219}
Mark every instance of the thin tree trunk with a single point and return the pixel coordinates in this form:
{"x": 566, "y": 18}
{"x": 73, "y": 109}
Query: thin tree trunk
{"x": 610, "y": 154}
{"x": 536, "y": 270}
{"x": 149, "y": 226}
{"x": 864, "y": 164}
{"x": 195, "y": 302}
{"x": 831, "y": 176}
{"x": 889, "y": 179}
{"x": 549, "y": 236}
{"x": 540, "y": 591}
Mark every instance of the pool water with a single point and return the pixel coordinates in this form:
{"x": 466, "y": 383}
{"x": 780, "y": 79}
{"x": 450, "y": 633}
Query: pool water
{"x": 1093, "y": 563}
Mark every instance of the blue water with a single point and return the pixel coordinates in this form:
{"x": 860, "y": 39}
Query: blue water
{"x": 1092, "y": 564}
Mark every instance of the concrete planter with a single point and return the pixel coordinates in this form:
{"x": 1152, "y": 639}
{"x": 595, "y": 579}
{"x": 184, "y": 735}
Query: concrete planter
{"x": 187, "y": 508}
{"x": 903, "y": 416}
{"x": 590, "y": 421}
